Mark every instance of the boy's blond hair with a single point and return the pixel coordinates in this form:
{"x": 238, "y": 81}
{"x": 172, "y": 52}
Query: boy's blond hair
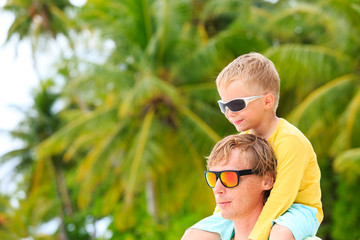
{"x": 253, "y": 70}
{"x": 258, "y": 154}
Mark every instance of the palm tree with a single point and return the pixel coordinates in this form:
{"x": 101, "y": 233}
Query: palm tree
{"x": 38, "y": 17}
{"x": 38, "y": 206}
{"x": 148, "y": 115}
{"x": 40, "y": 22}
{"x": 138, "y": 122}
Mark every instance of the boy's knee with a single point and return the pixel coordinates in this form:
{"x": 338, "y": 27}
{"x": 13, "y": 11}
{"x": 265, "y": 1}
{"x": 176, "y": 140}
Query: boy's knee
{"x": 194, "y": 234}
{"x": 279, "y": 232}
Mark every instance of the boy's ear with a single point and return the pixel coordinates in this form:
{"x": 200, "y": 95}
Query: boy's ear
{"x": 269, "y": 100}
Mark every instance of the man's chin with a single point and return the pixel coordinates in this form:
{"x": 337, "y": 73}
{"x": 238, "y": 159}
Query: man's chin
{"x": 226, "y": 215}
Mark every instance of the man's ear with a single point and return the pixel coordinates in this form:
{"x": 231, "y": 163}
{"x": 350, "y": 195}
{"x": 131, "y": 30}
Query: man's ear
{"x": 269, "y": 100}
{"x": 268, "y": 182}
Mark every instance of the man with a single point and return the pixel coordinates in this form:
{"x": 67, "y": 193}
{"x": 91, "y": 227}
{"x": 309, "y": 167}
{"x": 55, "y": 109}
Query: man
{"x": 241, "y": 171}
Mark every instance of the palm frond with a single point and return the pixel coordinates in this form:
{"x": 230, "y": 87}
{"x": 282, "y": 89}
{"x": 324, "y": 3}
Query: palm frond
{"x": 320, "y": 114}
{"x": 325, "y": 98}
{"x": 201, "y": 124}
{"x": 63, "y": 138}
{"x": 348, "y": 163}
{"x": 216, "y": 53}
{"x": 306, "y": 23}
{"x": 312, "y": 65}
{"x": 139, "y": 150}
{"x": 353, "y": 121}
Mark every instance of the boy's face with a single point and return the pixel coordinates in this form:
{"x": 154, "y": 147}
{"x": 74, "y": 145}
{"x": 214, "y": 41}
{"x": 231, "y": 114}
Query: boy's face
{"x": 244, "y": 200}
{"x": 249, "y": 118}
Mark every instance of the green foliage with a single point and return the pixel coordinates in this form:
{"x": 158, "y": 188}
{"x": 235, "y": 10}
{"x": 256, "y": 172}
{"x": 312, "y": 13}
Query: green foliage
{"x": 348, "y": 164}
{"x": 139, "y": 117}
{"x": 346, "y": 212}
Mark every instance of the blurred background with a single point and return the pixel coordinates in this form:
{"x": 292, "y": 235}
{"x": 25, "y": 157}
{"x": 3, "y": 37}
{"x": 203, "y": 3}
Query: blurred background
{"x": 111, "y": 142}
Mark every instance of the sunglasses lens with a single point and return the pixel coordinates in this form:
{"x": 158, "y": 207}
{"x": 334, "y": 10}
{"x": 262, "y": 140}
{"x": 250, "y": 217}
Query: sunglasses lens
{"x": 229, "y": 179}
{"x": 210, "y": 179}
{"x": 236, "y": 105}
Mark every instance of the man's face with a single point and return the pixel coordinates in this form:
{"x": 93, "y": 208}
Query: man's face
{"x": 250, "y": 117}
{"x": 244, "y": 200}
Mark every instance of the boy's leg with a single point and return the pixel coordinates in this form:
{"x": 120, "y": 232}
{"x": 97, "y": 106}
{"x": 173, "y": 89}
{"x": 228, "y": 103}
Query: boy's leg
{"x": 194, "y": 234}
{"x": 211, "y": 228}
{"x": 300, "y": 220}
{"x": 279, "y": 232}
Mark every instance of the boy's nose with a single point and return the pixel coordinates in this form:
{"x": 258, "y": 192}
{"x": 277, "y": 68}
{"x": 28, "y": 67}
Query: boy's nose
{"x": 229, "y": 113}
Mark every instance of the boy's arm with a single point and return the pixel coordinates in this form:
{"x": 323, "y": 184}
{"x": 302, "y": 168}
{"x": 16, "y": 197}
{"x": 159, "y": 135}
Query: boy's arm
{"x": 291, "y": 166}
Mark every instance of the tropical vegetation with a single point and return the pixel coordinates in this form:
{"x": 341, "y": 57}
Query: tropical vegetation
{"x": 119, "y": 133}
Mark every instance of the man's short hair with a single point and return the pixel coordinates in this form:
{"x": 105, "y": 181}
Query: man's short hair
{"x": 253, "y": 70}
{"x": 259, "y": 154}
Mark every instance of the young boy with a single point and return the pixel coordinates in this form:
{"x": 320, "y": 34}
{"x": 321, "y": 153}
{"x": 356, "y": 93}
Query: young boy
{"x": 249, "y": 89}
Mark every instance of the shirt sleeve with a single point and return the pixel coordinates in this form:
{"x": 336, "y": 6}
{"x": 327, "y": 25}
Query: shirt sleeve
{"x": 292, "y": 158}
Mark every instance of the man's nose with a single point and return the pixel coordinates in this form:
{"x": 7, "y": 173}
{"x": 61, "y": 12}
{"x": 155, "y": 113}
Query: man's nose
{"x": 219, "y": 187}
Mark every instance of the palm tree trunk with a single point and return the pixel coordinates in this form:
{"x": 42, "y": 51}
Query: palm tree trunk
{"x": 62, "y": 231}
{"x": 151, "y": 198}
{"x": 63, "y": 194}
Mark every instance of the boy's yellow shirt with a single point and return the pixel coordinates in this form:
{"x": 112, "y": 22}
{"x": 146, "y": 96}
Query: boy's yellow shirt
{"x": 297, "y": 180}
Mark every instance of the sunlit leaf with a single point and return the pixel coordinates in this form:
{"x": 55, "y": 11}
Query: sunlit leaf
{"x": 348, "y": 163}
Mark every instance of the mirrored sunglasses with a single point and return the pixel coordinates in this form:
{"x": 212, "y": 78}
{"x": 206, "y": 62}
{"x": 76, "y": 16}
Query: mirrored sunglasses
{"x": 237, "y": 104}
{"x": 228, "y": 178}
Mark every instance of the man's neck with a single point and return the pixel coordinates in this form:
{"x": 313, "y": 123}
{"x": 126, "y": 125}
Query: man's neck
{"x": 244, "y": 225}
{"x": 267, "y": 127}
{"x": 243, "y": 229}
